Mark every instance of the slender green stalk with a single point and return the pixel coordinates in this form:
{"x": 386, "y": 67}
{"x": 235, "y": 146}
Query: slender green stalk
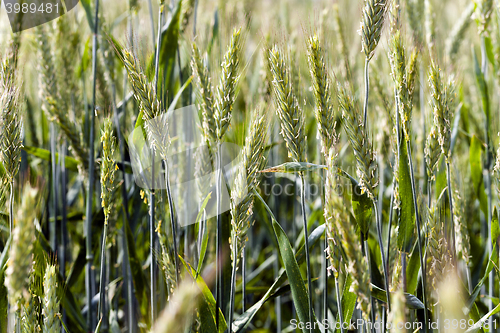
{"x": 382, "y": 253}
{"x": 306, "y": 236}
{"x": 53, "y": 163}
{"x": 339, "y": 305}
{"x": 219, "y": 301}
{"x": 11, "y": 206}
{"x": 417, "y": 218}
{"x": 367, "y": 90}
{"x": 91, "y": 169}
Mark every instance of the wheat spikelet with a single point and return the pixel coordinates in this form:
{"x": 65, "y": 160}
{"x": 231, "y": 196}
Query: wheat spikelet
{"x": 167, "y": 266}
{"x": 397, "y": 271}
{"x": 432, "y": 152}
{"x": 52, "y": 99}
{"x": 440, "y": 258}
{"x": 153, "y": 115}
{"x": 20, "y": 252}
{"x": 366, "y": 164}
{"x": 484, "y": 9}
{"x": 205, "y": 94}
{"x": 50, "y": 310}
{"x": 325, "y": 115}
{"x": 108, "y": 168}
{"x": 246, "y": 183}
{"x": 287, "y": 106}
{"x": 458, "y": 31}
{"x": 403, "y": 74}
{"x": 372, "y": 23}
{"x": 441, "y": 104}
{"x": 29, "y": 317}
{"x": 225, "y": 93}
{"x": 11, "y": 140}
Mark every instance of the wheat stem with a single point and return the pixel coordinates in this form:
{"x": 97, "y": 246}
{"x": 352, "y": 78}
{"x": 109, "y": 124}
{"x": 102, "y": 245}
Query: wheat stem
{"x": 339, "y": 305}
{"x": 367, "y": 90}
{"x": 306, "y": 236}
{"x": 11, "y": 206}
{"x": 90, "y": 194}
{"x": 417, "y": 218}
{"x": 219, "y": 302}
{"x": 382, "y": 253}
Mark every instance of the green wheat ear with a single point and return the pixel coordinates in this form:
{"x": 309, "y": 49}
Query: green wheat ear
{"x": 225, "y": 93}
{"x": 374, "y": 13}
{"x": 50, "y": 309}
{"x": 366, "y": 164}
{"x": 247, "y": 181}
{"x": 205, "y": 95}
{"x": 325, "y": 114}
{"x": 442, "y": 104}
{"x": 11, "y": 140}
{"x": 20, "y": 253}
{"x": 108, "y": 168}
{"x": 287, "y": 106}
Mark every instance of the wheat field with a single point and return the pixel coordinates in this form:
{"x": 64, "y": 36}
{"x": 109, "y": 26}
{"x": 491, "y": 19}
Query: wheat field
{"x": 250, "y": 166}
